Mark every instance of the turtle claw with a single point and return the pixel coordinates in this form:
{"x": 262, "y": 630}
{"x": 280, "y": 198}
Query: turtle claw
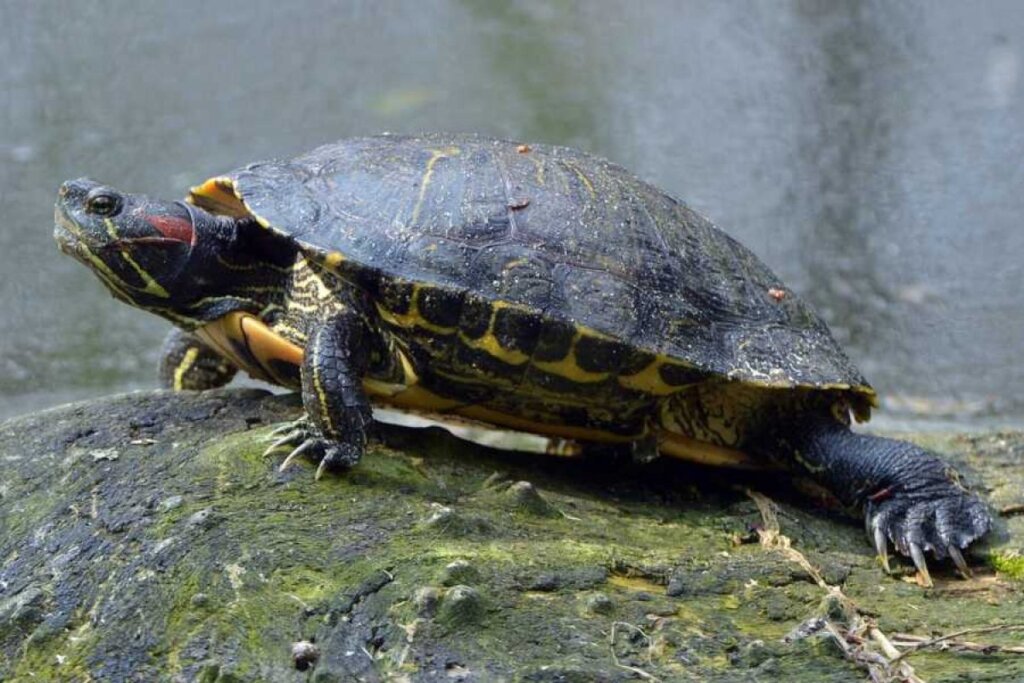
{"x": 300, "y": 424}
{"x": 320, "y": 469}
{"x": 917, "y": 555}
{"x": 940, "y": 519}
{"x": 958, "y": 560}
{"x": 882, "y": 548}
{"x": 286, "y": 440}
{"x": 302, "y": 448}
{"x": 305, "y": 438}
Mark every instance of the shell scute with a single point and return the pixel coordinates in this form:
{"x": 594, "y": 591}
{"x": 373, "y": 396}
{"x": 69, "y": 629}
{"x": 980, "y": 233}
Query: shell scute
{"x": 592, "y": 250}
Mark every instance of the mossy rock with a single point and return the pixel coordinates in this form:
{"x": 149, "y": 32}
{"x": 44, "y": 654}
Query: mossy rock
{"x": 143, "y": 537}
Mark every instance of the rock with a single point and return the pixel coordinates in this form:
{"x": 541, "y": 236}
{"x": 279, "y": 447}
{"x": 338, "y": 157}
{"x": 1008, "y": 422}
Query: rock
{"x": 752, "y": 654}
{"x": 599, "y": 603}
{"x": 571, "y": 578}
{"x": 527, "y": 498}
{"x": 451, "y": 522}
{"x": 189, "y": 557}
{"x": 304, "y": 654}
{"x": 461, "y": 606}
{"x": 459, "y": 571}
{"x": 426, "y": 600}
{"x": 170, "y": 503}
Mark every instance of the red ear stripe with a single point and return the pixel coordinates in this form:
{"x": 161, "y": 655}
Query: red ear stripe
{"x": 173, "y": 228}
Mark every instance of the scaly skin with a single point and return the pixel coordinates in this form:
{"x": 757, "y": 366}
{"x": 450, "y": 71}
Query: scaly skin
{"x": 187, "y": 364}
{"x": 908, "y": 495}
{"x": 338, "y": 412}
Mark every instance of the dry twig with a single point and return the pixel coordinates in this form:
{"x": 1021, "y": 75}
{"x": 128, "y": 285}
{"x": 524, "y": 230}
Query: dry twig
{"x": 650, "y": 647}
{"x": 887, "y": 665}
{"x": 950, "y": 641}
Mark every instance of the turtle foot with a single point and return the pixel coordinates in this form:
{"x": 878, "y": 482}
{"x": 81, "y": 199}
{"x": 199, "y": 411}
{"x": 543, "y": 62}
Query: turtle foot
{"x": 303, "y": 437}
{"x": 941, "y": 518}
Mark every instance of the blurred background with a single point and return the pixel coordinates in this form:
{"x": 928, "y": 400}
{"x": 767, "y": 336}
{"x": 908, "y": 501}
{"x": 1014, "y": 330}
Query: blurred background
{"x": 872, "y": 153}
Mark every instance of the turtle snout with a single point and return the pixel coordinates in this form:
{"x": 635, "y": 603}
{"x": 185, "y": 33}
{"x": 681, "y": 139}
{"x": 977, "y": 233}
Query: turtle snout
{"x": 67, "y": 228}
{"x": 74, "y": 192}
{"x": 72, "y": 224}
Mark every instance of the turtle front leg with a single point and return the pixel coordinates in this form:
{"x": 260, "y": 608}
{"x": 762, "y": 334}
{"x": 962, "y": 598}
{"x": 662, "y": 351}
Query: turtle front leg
{"x": 187, "y": 364}
{"x": 338, "y": 414}
{"x": 908, "y": 495}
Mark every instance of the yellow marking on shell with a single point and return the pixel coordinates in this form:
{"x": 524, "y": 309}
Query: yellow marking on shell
{"x": 187, "y": 361}
{"x": 334, "y": 259}
{"x": 265, "y": 344}
{"x": 861, "y": 409}
{"x": 649, "y": 380}
{"x": 569, "y": 368}
{"x": 219, "y": 195}
{"x": 408, "y": 394}
{"x": 539, "y": 163}
{"x": 435, "y": 156}
{"x": 583, "y": 178}
{"x": 412, "y": 318}
{"x": 511, "y": 265}
{"x": 489, "y": 342}
{"x": 408, "y": 371}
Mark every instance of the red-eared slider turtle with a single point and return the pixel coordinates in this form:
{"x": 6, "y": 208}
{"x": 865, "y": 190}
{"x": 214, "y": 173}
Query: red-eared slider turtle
{"x": 536, "y": 288}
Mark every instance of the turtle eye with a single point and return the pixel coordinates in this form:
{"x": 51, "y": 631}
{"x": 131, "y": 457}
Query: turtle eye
{"x": 103, "y": 204}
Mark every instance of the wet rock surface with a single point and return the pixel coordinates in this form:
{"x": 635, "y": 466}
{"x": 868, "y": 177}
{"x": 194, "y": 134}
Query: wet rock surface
{"x": 143, "y": 537}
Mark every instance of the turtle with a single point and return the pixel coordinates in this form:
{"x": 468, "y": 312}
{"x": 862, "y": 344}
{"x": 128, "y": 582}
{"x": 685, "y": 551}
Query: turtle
{"x": 532, "y": 287}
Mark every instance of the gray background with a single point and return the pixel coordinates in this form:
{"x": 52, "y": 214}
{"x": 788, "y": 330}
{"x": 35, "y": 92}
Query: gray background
{"x": 870, "y": 152}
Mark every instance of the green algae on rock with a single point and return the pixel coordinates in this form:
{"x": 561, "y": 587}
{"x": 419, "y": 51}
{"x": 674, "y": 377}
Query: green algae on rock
{"x": 183, "y": 555}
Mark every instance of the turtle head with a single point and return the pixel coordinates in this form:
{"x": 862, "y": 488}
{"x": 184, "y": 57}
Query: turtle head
{"x": 152, "y": 254}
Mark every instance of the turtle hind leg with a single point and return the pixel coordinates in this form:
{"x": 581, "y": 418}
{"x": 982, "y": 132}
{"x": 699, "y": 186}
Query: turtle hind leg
{"x": 187, "y": 364}
{"x": 908, "y": 496}
{"x": 929, "y": 511}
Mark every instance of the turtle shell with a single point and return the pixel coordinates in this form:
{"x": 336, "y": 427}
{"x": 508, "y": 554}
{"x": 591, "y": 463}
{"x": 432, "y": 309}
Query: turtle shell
{"x": 550, "y": 229}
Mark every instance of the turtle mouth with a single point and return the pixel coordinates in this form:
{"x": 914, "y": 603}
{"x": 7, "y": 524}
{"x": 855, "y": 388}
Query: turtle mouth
{"x": 68, "y": 235}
